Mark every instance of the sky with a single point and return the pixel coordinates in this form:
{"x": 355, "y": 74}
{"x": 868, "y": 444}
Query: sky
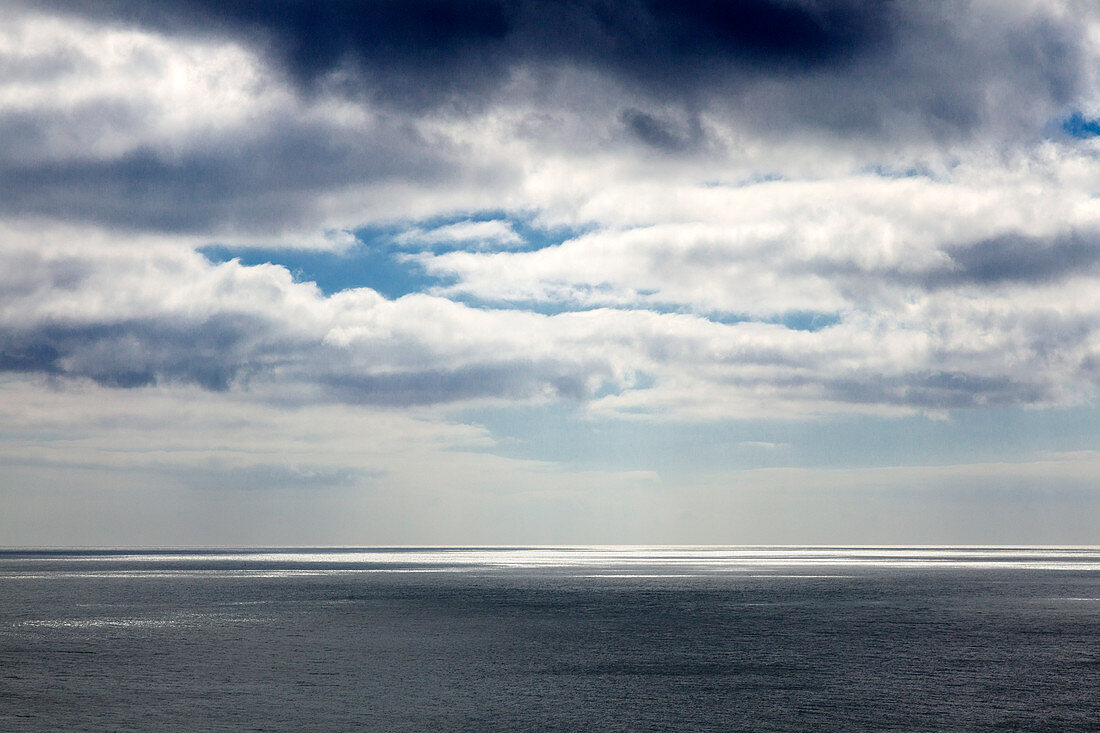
{"x": 435, "y": 272}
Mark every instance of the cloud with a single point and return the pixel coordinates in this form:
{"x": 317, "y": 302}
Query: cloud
{"x": 706, "y": 229}
{"x": 140, "y": 352}
{"x": 839, "y": 65}
{"x": 443, "y": 46}
{"x": 131, "y": 318}
{"x": 1024, "y": 259}
{"x": 477, "y": 235}
{"x": 144, "y": 132}
{"x": 725, "y": 170}
{"x": 173, "y": 464}
{"x": 219, "y": 187}
{"x": 664, "y": 134}
{"x": 138, "y": 319}
{"x": 270, "y": 122}
{"x": 93, "y": 466}
{"x": 762, "y": 250}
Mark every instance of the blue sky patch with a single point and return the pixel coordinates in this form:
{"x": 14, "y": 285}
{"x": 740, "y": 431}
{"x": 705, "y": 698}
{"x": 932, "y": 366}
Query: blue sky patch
{"x": 808, "y": 320}
{"x": 795, "y": 320}
{"x": 1081, "y": 127}
{"x": 362, "y": 266}
{"x": 379, "y": 258}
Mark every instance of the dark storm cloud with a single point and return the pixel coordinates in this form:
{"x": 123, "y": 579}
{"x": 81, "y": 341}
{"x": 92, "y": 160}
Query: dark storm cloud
{"x": 417, "y": 51}
{"x": 850, "y": 66}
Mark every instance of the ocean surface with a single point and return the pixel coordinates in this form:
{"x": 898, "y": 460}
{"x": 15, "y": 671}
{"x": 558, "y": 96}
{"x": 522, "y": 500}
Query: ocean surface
{"x": 585, "y": 638}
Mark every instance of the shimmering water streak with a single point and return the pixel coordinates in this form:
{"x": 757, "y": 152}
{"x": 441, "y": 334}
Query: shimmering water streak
{"x": 678, "y": 559}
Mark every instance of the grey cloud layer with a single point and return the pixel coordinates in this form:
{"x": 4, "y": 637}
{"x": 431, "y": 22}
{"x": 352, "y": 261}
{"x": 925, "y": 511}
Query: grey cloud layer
{"x": 265, "y": 181}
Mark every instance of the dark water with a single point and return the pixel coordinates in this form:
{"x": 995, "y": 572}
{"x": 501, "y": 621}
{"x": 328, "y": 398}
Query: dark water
{"x": 565, "y": 639}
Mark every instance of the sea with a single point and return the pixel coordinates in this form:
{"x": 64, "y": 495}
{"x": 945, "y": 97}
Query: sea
{"x": 551, "y": 639}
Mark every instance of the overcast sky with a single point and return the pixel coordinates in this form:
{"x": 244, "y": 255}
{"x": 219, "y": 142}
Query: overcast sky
{"x": 527, "y": 272}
